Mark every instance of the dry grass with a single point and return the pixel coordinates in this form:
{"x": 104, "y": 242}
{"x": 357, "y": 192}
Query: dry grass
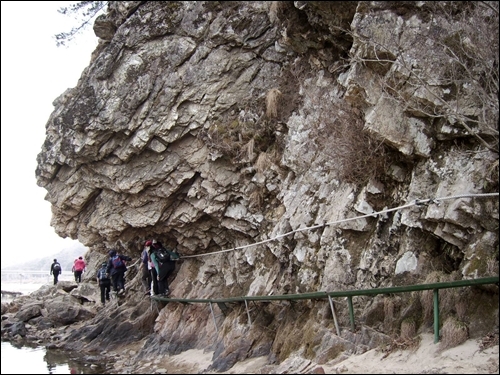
{"x": 491, "y": 339}
{"x": 447, "y": 297}
{"x": 242, "y": 141}
{"x": 492, "y": 266}
{"x": 356, "y": 155}
{"x": 461, "y": 308}
{"x": 276, "y": 9}
{"x": 471, "y": 56}
{"x": 250, "y": 147}
{"x": 388, "y": 313}
{"x": 272, "y": 99}
{"x": 408, "y": 329}
{"x": 408, "y": 338}
{"x": 256, "y": 199}
{"x": 263, "y": 162}
{"x": 453, "y": 333}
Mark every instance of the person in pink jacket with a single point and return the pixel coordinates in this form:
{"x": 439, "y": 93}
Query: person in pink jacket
{"x": 79, "y": 268}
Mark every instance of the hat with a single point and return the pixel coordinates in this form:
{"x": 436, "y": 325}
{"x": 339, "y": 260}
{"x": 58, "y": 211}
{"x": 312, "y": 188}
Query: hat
{"x": 112, "y": 252}
{"x": 104, "y": 264}
{"x": 55, "y": 260}
{"x": 80, "y": 258}
{"x": 148, "y": 243}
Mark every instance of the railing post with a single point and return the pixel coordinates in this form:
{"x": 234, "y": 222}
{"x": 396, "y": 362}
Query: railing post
{"x": 334, "y": 315}
{"x": 351, "y": 313}
{"x": 213, "y": 316}
{"x": 436, "y": 315}
{"x": 248, "y": 313}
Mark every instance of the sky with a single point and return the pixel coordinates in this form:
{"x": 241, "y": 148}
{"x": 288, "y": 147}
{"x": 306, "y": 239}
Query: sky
{"x": 34, "y": 73}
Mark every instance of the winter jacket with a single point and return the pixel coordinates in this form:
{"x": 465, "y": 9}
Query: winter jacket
{"x": 79, "y": 265}
{"x": 111, "y": 270}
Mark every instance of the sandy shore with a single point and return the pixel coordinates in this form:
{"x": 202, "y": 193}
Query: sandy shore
{"x": 427, "y": 358}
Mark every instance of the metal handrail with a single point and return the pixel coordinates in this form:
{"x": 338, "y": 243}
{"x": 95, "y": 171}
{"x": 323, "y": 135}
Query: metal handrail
{"x": 344, "y": 293}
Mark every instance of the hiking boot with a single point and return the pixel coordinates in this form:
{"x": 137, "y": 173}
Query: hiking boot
{"x": 167, "y": 293}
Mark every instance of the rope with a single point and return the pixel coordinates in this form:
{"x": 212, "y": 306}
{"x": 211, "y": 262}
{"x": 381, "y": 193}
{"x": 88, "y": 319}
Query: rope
{"x": 416, "y": 202}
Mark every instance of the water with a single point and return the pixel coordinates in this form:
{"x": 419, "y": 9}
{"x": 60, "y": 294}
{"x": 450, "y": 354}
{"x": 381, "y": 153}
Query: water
{"x": 36, "y": 359}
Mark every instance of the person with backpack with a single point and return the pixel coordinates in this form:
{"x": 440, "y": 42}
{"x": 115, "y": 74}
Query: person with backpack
{"x": 146, "y": 273}
{"x": 56, "y": 270}
{"x": 164, "y": 261}
{"x": 116, "y": 269}
{"x": 151, "y": 266}
{"x": 104, "y": 282}
{"x": 79, "y": 268}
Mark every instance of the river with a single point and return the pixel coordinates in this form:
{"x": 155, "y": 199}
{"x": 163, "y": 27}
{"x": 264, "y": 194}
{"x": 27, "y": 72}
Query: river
{"x": 38, "y": 359}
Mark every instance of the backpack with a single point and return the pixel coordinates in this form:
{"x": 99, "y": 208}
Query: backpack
{"x": 162, "y": 255}
{"x": 56, "y": 268}
{"x": 117, "y": 262}
{"x": 102, "y": 275}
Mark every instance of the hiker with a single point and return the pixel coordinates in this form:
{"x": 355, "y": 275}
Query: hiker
{"x": 164, "y": 262}
{"x": 104, "y": 282}
{"x": 146, "y": 273}
{"x": 78, "y": 269}
{"x": 55, "y": 269}
{"x": 154, "y": 275}
{"x": 116, "y": 269}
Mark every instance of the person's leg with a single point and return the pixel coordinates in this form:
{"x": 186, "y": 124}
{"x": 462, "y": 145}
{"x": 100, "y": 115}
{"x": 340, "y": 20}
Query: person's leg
{"x": 122, "y": 281}
{"x": 154, "y": 279}
{"x": 114, "y": 280}
{"x": 103, "y": 287}
{"x": 169, "y": 272}
{"x": 149, "y": 280}
{"x": 146, "y": 278}
{"x": 161, "y": 286}
{"x": 108, "y": 289}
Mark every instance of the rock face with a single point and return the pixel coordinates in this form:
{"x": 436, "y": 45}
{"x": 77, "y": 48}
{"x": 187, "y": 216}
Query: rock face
{"x": 219, "y": 125}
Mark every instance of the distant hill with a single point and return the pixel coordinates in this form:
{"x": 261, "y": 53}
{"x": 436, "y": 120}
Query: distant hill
{"x": 66, "y": 257}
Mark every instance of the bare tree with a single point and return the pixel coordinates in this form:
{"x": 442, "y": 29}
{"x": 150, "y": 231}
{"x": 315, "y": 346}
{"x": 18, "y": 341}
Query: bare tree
{"x": 84, "y": 12}
{"x": 464, "y": 92}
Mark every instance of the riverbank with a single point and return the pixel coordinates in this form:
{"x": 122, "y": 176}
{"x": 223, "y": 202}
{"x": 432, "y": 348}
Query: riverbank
{"x": 471, "y": 357}
{"x": 43, "y": 311}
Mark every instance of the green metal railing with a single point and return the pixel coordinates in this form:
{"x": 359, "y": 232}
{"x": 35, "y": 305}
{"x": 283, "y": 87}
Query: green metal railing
{"x": 345, "y": 293}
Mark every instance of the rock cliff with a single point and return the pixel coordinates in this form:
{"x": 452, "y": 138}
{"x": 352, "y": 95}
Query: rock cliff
{"x": 285, "y": 133}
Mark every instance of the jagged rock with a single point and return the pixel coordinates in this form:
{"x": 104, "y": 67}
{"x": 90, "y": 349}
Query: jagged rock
{"x": 29, "y": 311}
{"x": 14, "y": 329}
{"x": 171, "y": 133}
